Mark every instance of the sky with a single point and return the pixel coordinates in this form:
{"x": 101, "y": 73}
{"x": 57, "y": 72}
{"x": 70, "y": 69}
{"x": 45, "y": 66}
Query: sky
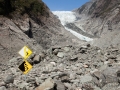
{"x": 64, "y": 5}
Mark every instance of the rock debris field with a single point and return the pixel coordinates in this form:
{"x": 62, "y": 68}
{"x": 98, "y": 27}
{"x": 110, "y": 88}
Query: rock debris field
{"x": 69, "y": 67}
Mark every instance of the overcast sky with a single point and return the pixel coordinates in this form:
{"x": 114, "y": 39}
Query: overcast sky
{"x": 64, "y": 5}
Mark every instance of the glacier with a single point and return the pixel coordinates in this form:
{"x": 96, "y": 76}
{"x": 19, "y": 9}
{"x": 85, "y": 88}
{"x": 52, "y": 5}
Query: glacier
{"x": 70, "y": 17}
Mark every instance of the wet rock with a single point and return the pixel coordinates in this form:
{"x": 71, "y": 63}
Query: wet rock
{"x": 47, "y": 85}
{"x": 9, "y": 79}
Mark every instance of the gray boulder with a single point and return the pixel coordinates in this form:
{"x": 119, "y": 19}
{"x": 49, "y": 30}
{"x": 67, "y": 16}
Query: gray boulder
{"x": 60, "y": 85}
{"x": 47, "y": 85}
{"x": 36, "y": 59}
{"x": 60, "y": 54}
{"x": 3, "y": 88}
{"x": 9, "y": 79}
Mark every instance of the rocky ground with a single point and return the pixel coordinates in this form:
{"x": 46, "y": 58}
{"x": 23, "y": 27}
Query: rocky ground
{"x": 60, "y": 61}
{"x": 82, "y": 67}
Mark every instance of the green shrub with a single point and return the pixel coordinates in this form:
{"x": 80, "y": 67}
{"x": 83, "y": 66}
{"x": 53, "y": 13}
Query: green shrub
{"x": 22, "y": 6}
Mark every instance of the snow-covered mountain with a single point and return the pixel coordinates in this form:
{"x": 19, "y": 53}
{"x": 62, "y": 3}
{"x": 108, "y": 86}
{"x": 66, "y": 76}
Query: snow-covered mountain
{"x": 70, "y": 17}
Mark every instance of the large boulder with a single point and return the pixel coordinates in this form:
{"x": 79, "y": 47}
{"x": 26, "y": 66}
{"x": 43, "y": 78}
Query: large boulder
{"x": 9, "y": 79}
{"x": 47, "y": 85}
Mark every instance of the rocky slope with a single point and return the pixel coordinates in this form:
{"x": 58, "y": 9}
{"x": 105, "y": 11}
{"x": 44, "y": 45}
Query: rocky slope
{"x": 60, "y": 61}
{"x": 30, "y": 24}
{"x": 81, "y": 67}
{"x": 101, "y": 18}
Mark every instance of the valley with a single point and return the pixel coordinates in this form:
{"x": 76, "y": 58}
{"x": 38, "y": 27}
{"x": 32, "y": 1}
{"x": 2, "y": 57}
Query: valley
{"x": 71, "y": 50}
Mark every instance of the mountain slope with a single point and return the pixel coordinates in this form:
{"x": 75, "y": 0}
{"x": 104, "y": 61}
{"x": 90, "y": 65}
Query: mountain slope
{"x": 99, "y": 17}
{"x": 30, "y": 24}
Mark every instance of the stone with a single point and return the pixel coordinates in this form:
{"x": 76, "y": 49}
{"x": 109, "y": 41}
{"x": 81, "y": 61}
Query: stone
{"x": 98, "y": 74}
{"x": 68, "y": 86}
{"x": 60, "y": 85}
{"x": 118, "y": 58}
{"x": 66, "y": 49}
{"x": 47, "y": 85}
{"x": 74, "y": 68}
{"x": 42, "y": 55}
{"x": 60, "y": 54}
{"x": 53, "y": 63}
{"x": 86, "y": 78}
{"x": 2, "y": 83}
{"x": 23, "y": 85}
{"x": 110, "y": 86}
{"x": 3, "y": 88}
{"x": 78, "y": 88}
{"x": 32, "y": 55}
{"x": 79, "y": 72}
{"x": 102, "y": 68}
{"x": 99, "y": 78}
{"x": 13, "y": 60}
{"x": 84, "y": 47}
{"x": 38, "y": 80}
{"x": 85, "y": 66}
{"x": 83, "y": 51}
{"x": 9, "y": 79}
{"x": 16, "y": 82}
{"x": 111, "y": 57}
{"x": 14, "y": 71}
{"x": 74, "y": 58}
{"x": 55, "y": 52}
{"x": 36, "y": 59}
{"x": 72, "y": 76}
{"x": 65, "y": 79}
{"x": 96, "y": 88}
{"x": 110, "y": 74}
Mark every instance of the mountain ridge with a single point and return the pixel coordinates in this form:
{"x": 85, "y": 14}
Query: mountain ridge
{"x": 99, "y": 17}
{"x": 29, "y": 27}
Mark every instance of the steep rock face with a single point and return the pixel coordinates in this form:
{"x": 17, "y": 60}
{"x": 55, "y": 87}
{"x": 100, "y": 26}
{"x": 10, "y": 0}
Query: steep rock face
{"x": 85, "y": 8}
{"x": 30, "y": 24}
{"x": 103, "y": 17}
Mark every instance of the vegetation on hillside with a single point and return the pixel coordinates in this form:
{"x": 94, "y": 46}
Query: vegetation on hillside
{"x": 22, "y": 6}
